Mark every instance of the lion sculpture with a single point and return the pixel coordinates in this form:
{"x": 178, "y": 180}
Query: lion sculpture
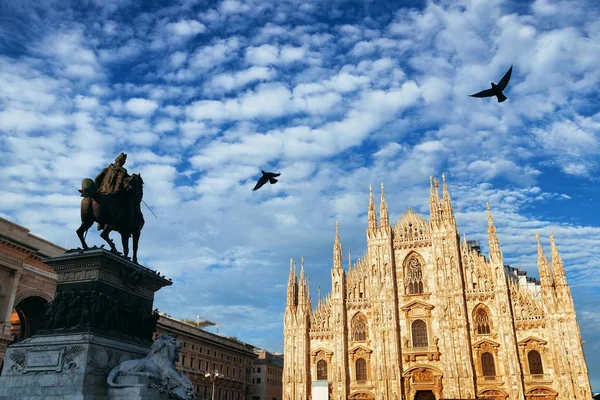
{"x": 159, "y": 366}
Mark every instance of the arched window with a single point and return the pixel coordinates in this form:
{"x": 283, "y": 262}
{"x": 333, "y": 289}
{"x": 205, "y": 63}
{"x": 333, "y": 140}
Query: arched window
{"x": 487, "y": 364}
{"x": 322, "y": 370}
{"x": 482, "y": 322}
{"x": 361, "y": 369}
{"x": 359, "y": 327}
{"x": 414, "y": 276}
{"x": 535, "y": 363}
{"x": 419, "y": 334}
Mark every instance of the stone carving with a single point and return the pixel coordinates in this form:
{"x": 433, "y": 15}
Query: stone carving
{"x": 37, "y": 361}
{"x": 75, "y": 310}
{"x": 159, "y": 366}
{"x": 113, "y": 200}
{"x": 423, "y": 375}
{"x": 18, "y": 359}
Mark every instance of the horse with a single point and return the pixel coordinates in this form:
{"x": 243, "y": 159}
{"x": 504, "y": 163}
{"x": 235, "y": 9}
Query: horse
{"x": 104, "y": 209}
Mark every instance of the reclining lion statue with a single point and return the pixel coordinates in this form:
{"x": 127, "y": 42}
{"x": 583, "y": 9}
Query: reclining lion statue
{"x": 159, "y": 366}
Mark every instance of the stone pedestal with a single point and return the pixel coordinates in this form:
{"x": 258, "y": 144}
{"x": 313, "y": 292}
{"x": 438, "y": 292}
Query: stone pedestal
{"x": 141, "y": 391}
{"x": 101, "y": 316}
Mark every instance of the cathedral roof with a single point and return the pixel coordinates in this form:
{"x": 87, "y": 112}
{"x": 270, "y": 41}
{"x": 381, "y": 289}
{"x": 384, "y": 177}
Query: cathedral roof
{"x": 412, "y": 226}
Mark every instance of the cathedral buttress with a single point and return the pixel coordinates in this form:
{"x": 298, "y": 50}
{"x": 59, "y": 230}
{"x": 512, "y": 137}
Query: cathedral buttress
{"x": 508, "y": 351}
{"x": 459, "y": 378}
{"x": 339, "y": 363}
{"x": 576, "y": 373}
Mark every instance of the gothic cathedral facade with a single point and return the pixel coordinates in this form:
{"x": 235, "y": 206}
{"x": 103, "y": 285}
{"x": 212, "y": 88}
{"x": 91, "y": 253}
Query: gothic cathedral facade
{"x": 424, "y": 315}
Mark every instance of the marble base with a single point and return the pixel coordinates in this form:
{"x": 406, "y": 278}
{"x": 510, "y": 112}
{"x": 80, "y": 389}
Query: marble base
{"x": 142, "y": 390}
{"x": 65, "y": 367}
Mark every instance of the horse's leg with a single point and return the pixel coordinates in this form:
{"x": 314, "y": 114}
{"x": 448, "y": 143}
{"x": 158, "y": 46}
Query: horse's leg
{"x": 125, "y": 243}
{"x": 87, "y": 220}
{"x": 136, "y": 239}
{"x": 104, "y": 235}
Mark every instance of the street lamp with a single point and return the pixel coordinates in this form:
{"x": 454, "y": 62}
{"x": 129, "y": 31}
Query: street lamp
{"x": 213, "y": 377}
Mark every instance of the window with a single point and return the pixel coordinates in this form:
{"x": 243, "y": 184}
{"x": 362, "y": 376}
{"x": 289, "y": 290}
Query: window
{"x": 200, "y": 364}
{"x": 322, "y": 370}
{"x": 227, "y": 371}
{"x": 419, "y": 334}
{"x": 487, "y": 364}
{"x": 183, "y": 361}
{"x": 258, "y": 370}
{"x": 482, "y": 322}
{"x": 200, "y": 349}
{"x": 359, "y": 327}
{"x": 192, "y": 362}
{"x": 207, "y": 365}
{"x": 414, "y": 276}
{"x": 257, "y": 380}
{"x": 361, "y": 369}
{"x": 535, "y": 363}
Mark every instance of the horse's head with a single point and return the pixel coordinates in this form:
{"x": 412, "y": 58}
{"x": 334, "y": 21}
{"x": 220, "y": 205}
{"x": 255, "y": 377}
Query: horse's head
{"x": 137, "y": 185}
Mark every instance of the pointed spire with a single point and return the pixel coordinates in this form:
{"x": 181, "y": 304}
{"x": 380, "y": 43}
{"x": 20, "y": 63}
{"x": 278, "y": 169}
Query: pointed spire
{"x": 560, "y": 278}
{"x": 302, "y": 285}
{"x": 383, "y": 211}
{"x": 448, "y": 213}
{"x": 434, "y": 200}
{"x": 349, "y": 259}
{"x": 308, "y": 295}
{"x": 543, "y": 267}
{"x": 495, "y": 253}
{"x": 337, "y": 248}
{"x": 291, "y": 287}
{"x": 318, "y": 295}
{"x": 372, "y": 215}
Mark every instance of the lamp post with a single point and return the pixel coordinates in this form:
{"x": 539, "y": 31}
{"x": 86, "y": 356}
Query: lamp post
{"x": 213, "y": 377}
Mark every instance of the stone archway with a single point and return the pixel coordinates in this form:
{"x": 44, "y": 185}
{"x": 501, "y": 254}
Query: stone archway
{"x": 27, "y": 317}
{"x": 362, "y": 396}
{"x": 492, "y": 394}
{"x": 423, "y": 381}
{"x": 541, "y": 394}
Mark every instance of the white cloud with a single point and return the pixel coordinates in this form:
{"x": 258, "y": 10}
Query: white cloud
{"x": 186, "y": 28}
{"x": 141, "y": 107}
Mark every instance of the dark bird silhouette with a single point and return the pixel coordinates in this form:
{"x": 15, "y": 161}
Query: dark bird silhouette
{"x": 496, "y": 90}
{"x": 266, "y": 177}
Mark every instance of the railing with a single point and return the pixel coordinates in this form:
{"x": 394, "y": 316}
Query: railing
{"x": 537, "y": 377}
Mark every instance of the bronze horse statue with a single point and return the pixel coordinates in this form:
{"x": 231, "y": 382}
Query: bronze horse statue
{"x": 122, "y": 213}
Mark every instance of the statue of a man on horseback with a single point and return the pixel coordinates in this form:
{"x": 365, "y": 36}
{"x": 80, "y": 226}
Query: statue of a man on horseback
{"x": 113, "y": 200}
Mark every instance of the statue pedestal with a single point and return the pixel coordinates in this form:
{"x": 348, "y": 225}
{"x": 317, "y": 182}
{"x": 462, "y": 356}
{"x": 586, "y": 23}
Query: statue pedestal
{"x": 100, "y": 317}
{"x": 141, "y": 390}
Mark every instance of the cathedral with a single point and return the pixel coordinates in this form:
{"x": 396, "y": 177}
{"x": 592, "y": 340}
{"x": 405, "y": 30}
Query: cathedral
{"x": 424, "y": 315}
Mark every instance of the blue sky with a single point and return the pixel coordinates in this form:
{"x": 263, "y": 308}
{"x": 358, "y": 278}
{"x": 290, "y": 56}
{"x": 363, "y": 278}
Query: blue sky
{"x": 334, "y": 95}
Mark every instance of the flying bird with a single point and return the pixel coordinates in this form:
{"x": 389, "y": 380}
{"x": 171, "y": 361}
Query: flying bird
{"x": 266, "y": 177}
{"x": 496, "y": 90}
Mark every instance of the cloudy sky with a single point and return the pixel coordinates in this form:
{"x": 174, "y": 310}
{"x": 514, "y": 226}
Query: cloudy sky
{"x": 335, "y": 95}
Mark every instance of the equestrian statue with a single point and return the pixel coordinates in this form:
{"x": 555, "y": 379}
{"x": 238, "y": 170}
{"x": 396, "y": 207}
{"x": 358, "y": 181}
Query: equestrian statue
{"x": 113, "y": 200}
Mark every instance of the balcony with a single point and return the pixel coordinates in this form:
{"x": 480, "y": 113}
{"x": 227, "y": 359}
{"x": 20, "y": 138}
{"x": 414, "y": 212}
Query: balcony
{"x": 411, "y": 353}
{"x": 538, "y": 378}
{"x": 489, "y": 380}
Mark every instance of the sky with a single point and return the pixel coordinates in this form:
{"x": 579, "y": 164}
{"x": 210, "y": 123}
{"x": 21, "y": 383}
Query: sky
{"x": 335, "y": 95}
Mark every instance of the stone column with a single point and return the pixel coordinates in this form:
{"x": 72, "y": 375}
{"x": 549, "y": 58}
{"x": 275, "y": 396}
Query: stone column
{"x": 7, "y": 312}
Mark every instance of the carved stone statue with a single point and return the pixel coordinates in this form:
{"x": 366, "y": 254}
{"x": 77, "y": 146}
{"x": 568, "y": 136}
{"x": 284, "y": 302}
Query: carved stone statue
{"x": 159, "y": 367}
{"x": 113, "y": 200}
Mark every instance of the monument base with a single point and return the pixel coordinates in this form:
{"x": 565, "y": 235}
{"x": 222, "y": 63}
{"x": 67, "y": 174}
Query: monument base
{"x": 141, "y": 391}
{"x": 65, "y": 367}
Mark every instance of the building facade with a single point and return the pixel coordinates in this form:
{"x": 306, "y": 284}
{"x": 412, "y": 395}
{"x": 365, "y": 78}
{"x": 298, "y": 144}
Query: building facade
{"x": 424, "y": 315}
{"x": 204, "y": 352}
{"x": 26, "y": 283}
{"x": 267, "y": 374}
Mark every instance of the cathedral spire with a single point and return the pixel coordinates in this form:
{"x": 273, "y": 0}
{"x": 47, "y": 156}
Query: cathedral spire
{"x": 291, "y": 287}
{"x": 447, "y": 210}
{"x": 349, "y": 259}
{"x": 544, "y": 268}
{"x": 383, "y": 211}
{"x": 495, "y": 253}
{"x": 318, "y": 295}
{"x": 337, "y": 248}
{"x": 302, "y": 285}
{"x": 434, "y": 199}
{"x": 372, "y": 215}
{"x": 309, "y": 296}
{"x": 560, "y": 278}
